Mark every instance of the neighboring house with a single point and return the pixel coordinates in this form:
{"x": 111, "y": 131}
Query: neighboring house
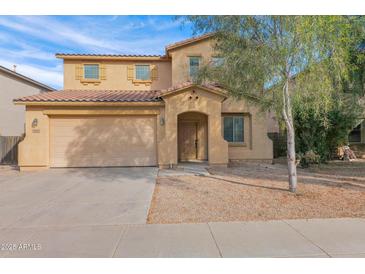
{"x": 140, "y": 110}
{"x": 13, "y": 85}
{"x": 357, "y": 135}
{"x": 357, "y": 139}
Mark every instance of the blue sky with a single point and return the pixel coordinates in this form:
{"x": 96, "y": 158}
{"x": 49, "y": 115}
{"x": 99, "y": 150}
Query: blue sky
{"x": 30, "y": 42}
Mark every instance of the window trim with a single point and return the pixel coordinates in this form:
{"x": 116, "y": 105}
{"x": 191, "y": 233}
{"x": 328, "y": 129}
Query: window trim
{"x": 87, "y": 80}
{"x": 138, "y": 81}
{"x": 235, "y": 144}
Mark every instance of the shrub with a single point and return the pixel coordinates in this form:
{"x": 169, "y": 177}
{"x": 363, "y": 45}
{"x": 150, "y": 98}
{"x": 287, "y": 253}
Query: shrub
{"x": 309, "y": 158}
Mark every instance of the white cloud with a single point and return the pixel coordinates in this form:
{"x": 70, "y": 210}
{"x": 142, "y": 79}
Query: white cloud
{"x": 49, "y": 30}
{"x": 118, "y": 39}
{"x": 26, "y": 52}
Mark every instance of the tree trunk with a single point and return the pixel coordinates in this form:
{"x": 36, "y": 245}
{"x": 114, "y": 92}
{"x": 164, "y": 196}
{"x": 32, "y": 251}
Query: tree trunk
{"x": 292, "y": 167}
{"x": 290, "y": 139}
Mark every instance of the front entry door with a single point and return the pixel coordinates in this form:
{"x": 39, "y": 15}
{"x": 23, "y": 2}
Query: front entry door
{"x": 188, "y": 140}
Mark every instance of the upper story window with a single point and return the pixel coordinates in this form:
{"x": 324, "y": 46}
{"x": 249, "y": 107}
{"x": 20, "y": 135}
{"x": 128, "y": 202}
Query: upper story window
{"x": 217, "y": 61}
{"x": 194, "y": 62}
{"x": 91, "y": 71}
{"x": 143, "y": 72}
{"x": 233, "y": 128}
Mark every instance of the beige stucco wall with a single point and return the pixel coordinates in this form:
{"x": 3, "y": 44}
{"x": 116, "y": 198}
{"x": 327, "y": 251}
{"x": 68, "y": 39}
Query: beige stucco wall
{"x": 116, "y": 76}
{"x": 12, "y": 118}
{"x": 208, "y": 104}
{"x": 34, "y": 150}
{"x": 180, "y": 59}
{"x": 258, "y": 145}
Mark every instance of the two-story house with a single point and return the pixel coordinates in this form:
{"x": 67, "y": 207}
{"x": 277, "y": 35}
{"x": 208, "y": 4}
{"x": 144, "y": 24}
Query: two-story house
{"x": 140, "y": 110}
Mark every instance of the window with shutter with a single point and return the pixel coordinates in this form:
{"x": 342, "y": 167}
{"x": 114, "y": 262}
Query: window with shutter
{"x": 143, "y": 72}
{"x": 91, "y": 71}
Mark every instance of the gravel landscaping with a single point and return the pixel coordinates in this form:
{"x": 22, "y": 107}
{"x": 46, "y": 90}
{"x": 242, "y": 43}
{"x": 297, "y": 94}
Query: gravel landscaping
{"x": 259, "y": 192}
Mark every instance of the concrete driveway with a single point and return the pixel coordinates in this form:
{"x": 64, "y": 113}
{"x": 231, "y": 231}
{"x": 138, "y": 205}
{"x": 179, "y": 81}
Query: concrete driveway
{"x": 74, "y": 197}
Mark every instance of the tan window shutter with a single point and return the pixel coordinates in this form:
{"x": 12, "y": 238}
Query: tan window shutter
{"x": 154, "y": 72}
{"x": 78, "y": 71}
{"x": 130, "y": 72}
{"x": 102, "y": 72}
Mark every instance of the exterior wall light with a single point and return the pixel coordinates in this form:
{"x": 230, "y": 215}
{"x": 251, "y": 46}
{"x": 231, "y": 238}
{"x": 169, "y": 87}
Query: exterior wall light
{"x": 34, "y": 123}
{"x": 162, "y": 121}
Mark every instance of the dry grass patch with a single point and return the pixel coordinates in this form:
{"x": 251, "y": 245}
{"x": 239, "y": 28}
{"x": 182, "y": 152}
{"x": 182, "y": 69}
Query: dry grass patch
{"x": 259, "y": 192}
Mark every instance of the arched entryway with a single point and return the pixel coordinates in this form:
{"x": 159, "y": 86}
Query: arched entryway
{"x": 192, "y": 141}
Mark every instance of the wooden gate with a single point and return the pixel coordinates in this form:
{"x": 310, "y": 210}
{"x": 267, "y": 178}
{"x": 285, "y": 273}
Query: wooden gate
{"x": 9, "y": 149}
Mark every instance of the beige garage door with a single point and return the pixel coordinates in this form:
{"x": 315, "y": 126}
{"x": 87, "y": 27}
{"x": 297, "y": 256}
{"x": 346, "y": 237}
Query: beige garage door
{"x": 103, "y": 141}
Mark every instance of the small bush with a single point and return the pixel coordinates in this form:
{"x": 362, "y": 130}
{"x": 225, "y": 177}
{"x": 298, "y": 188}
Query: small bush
{"x": 309, "y": 158}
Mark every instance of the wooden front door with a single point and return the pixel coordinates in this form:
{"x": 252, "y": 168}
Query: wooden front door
{"x": 188, "y": 140}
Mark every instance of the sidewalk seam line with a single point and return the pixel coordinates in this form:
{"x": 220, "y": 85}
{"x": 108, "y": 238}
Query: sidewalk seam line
{"x": 121, "y": 236}
{"x": 313, "y": 243}
{"x": 215, "y": 241}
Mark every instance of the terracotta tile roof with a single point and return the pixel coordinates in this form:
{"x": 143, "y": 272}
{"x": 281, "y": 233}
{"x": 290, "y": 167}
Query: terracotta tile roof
{"x": 190, "y": 40}
{"x": 79, "y": 95}
{"x": 109, "y": 55}
{"x": 94, "y": 96}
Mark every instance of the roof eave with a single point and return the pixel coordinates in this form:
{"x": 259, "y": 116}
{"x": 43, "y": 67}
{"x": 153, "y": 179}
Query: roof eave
{"x": 188, "y": 42}
{"x": 69, "y": 103}
{"x": 112, "y": 58}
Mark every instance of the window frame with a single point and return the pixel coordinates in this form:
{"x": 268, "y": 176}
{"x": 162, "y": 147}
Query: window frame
{"x": 135, "y": 80}
{"x": 189, "y": 66}
{"x": 235, "y": 143}
{"x": 91, "y": 80}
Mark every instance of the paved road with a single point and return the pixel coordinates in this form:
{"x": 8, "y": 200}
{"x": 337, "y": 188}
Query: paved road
{"x": 320, "y": 238}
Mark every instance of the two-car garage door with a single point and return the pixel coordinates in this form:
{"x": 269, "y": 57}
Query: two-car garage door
{"x": 103, "y": 141}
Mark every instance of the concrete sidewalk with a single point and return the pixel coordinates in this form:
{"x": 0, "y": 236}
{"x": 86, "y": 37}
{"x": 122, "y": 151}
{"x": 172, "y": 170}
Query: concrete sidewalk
{"x": 320, "y": 238}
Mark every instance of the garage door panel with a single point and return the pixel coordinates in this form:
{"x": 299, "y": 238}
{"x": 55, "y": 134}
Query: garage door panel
{"x": 103, "y": 141}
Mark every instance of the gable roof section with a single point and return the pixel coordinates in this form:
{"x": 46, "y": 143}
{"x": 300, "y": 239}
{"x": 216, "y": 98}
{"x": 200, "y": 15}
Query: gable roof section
{"x": 213, "y": 88}
{"x": 25, "y": 78}
{"x": 189, "y": 41}
{"x": 109, "y": 96}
